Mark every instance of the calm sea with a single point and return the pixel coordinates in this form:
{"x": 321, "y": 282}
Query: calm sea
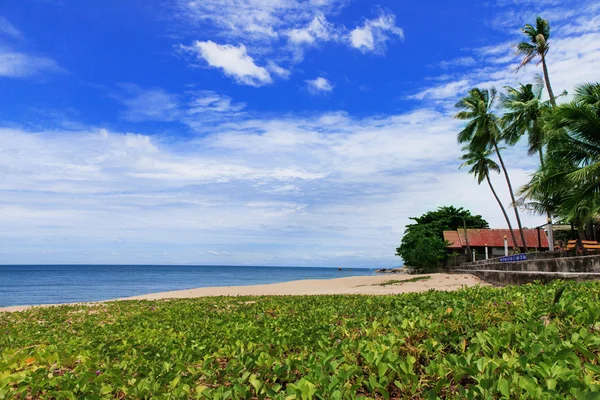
{"x": 49, "y": 284}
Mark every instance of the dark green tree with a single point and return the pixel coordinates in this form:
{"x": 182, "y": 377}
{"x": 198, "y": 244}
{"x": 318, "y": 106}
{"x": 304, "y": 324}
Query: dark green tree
{"x": 423, "y": 246}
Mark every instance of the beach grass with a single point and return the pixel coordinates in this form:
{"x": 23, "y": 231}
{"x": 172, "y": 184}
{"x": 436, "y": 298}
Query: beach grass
{"x": 401, "y": 281}
{"x": 479, "y": 342}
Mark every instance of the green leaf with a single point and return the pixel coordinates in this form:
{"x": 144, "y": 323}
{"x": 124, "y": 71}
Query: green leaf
{"x": 504, "y": 387}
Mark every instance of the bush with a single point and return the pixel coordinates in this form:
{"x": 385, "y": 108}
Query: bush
{"x": 527, "y": 342}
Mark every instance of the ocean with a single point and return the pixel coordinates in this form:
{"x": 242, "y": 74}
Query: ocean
{"x": 51, "y": 284}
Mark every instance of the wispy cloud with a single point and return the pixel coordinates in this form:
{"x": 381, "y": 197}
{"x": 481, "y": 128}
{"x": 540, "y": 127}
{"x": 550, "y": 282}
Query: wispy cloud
{"x": 254, "y": 20}
{"x": 19, "y": 64}
{"x": 255, "y": 33}
{"x": 458, "y": 62}
{"x": 443, "y": 91}
{"x": 22, "y": 65}
{"x": 374, "y": 33}
{"x": 319, "y": 85}
{"x": 9, "y": 29}
{"x": 147, "y": 104}
{"x": 234, "y": 61}
{"x": 193, "y": 108}
{"x": 574, "y": 58}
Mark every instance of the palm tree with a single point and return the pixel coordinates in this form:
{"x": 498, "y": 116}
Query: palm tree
{"x": 569, "y": 183}
{"x": 524, "y": 115}
{"x": 481, "y": 164}
{"x": 537, "y": 45}
{"x": 576, "y": 141}
{"x": 483, "y": 132}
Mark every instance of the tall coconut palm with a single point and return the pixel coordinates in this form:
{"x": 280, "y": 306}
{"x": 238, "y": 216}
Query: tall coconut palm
{"x": 483, "y": 132}
{"x": 481, "y": 164}
{"x": 537, "y": 45}
{"x": 524, "y": 115}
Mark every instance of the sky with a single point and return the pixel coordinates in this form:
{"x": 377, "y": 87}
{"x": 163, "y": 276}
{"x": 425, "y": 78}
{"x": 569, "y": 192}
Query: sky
{"x": 254, "y": 132}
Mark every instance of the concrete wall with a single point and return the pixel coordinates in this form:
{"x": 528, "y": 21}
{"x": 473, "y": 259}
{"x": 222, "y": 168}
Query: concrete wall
{"x": 555, "y": 264}
{"x": 504, "y": 278}
{"x": 544, "y": 267}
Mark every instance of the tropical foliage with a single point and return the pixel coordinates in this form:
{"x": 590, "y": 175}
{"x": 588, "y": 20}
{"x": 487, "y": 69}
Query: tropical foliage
{"x": 483, "y": 132}
{"x": 481, "y": 164}
{"x": 569, "y": 182}
{"x": 423, "y": 246}
{"x": 537, "y": 45}
{"x": 565, "y": 137}
{"x": 476, "y": 343}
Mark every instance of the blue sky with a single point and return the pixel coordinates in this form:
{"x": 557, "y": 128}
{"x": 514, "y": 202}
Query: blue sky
{"x": 270, "y": 132}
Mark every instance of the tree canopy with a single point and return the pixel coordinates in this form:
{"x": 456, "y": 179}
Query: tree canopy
{"x": 423, "y": 245}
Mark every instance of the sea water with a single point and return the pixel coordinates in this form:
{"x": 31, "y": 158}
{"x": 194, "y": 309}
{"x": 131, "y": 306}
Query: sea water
{"x": 52, "y": 284}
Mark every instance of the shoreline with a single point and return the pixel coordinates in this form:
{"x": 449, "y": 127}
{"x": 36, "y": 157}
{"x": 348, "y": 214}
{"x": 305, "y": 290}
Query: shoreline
{"x": 365, "y": 285}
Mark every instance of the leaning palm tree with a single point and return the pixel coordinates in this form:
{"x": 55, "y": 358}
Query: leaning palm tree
{"x": 481, "y": 164}
{"x": 537, "y": 45}
{"x": 524, "y": 115}
{"x": 483, "y": 132}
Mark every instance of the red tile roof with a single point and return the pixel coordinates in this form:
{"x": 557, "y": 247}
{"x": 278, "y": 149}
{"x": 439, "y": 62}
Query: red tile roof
{"x": 493, "y": 238}
{"x": 453, "y": 238}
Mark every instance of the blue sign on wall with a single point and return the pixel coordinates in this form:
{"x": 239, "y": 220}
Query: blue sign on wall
{"x": 516, "y": 257}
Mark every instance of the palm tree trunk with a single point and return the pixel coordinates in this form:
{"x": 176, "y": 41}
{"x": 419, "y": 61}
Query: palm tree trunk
{"x": 548, "y": 214}
{"x": 512, "y": 233}
{"x": 512, "y": 197}
{"x": 547, "y": 79}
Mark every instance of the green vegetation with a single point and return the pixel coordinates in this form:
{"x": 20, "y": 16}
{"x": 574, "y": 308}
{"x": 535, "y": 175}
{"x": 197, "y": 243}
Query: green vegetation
{"x": 567, "y": 184}
{"x": 518, "y": 342}
{"x": 566, "y": 137}
{"x": 423, "y": 246}
{"x": 483, "y": 132}
{"x": 400, "y": 282}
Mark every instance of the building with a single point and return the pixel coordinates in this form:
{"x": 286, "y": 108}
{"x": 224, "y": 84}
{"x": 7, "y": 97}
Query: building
{"x": 493, "y": 240}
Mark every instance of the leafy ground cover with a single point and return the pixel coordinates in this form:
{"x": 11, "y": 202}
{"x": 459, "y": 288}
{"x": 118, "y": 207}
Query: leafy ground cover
{"x": 482, "y": 342}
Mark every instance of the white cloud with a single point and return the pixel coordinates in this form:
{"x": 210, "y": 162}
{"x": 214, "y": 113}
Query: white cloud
{"x": 277, "y": 70}
{"x": 148, "y": 104}
{"x": 327, "y": 189}
{"x": 234, "y": 61}
{"x": 317, "y": 30}
{"x": 18, "y": 64}
{"x": 458, "y": 62}
{"x": 219, "y": 253}
{"x": 8, "y": 29}
{"x": 256, "y": 20}
{"x": 194, "y": 108}
{"x": 319, "y": 85}
{"x": 443, "y": 91}
{"x": 374, "y": 33}
{"x": 207, "y": 101}
{"x": 21, "y": 65}
{"x": 281, "y": 30}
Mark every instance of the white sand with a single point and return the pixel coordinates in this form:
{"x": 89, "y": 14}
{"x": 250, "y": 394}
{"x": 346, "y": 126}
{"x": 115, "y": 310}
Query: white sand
{"x": 350, "y": 285}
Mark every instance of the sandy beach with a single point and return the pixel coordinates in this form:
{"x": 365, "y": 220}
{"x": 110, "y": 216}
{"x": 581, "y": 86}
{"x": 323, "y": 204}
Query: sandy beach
{"x": 370, "y": 285}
